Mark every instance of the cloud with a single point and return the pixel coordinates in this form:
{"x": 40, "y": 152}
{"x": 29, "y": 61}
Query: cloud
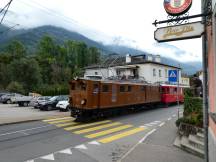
{"x": 125, "y": 22}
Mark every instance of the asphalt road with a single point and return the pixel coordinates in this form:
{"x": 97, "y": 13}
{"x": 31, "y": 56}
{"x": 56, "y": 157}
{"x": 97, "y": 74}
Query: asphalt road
{"x": 63, "y": 140}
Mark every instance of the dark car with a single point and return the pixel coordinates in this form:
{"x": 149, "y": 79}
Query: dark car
{"x": 6, "y": 98}
{"x": 51, "y": 103}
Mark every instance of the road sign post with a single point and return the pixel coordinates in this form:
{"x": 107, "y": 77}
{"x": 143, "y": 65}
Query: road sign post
{"x": 174, "y": 78}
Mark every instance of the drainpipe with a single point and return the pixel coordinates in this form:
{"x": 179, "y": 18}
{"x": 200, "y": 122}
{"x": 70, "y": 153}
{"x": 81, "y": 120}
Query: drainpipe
{"x": 205, "y": 78}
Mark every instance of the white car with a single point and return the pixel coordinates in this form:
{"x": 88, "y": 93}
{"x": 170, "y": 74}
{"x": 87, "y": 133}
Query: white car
{"x": 63, "y": 105}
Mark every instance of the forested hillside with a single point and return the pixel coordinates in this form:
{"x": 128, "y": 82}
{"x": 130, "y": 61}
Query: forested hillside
{"x": 48, "y": 69}
{"x": 30, "y": 38}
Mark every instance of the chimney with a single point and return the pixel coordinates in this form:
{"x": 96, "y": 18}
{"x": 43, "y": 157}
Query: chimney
{"x": 150, "y": 58}
{"x": 128, "y": 58}
{"x": 157, "y": 58}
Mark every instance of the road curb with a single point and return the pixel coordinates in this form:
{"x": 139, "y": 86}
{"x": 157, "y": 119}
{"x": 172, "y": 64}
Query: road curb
{"x": 20, "y": 122}
{"x": 28, "y": 121}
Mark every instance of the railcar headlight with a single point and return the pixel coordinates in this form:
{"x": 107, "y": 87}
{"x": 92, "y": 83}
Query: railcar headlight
{"x": 83, "y": 102}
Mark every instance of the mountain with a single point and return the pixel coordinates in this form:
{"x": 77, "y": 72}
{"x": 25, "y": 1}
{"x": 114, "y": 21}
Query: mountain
{"x": 31, "y": 37}
{"x": 188, "y": 68}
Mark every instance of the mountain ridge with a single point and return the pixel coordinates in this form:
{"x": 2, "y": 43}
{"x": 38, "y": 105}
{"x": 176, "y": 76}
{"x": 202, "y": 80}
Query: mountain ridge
{"x": 31, "y": 37}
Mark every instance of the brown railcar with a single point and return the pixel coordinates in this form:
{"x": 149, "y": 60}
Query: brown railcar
{"x": 92, "y": 98}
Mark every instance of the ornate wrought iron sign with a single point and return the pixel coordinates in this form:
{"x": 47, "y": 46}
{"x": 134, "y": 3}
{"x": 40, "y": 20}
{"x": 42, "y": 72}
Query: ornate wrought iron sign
{"x": 179, "y": 32}
{"x": 177, "y": 7}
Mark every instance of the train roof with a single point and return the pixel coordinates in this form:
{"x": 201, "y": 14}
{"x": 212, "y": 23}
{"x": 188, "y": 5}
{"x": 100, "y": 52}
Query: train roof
{"x": 137, "y": 82}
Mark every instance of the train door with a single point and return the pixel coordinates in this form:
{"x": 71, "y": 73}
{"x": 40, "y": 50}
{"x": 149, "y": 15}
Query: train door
{"x": 96, "y": 95}
{"x": 114, "y": 93}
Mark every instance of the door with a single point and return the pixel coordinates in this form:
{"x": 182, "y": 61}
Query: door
{"x": 95, "y": 95}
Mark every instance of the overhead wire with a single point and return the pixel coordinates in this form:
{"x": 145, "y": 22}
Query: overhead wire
{"x": 7, "y": 7}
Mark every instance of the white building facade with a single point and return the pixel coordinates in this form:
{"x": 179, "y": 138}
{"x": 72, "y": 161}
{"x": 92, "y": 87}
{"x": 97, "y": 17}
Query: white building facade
{"x": 149, "y": 69}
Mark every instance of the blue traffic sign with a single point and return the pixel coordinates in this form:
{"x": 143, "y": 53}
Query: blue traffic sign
{"x": 173, "y": 75}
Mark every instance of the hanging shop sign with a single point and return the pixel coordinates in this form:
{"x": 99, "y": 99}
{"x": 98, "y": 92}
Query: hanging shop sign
{"x": 179, "y": 32}
{"x": 177, "y": 7}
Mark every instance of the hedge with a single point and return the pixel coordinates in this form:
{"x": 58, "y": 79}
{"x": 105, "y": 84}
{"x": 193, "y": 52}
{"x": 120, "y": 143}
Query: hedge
{"x": 193, "y": 112}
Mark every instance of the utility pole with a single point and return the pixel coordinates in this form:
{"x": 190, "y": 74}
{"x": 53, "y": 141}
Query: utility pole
{"x": 178, "y": 77}
{"x": 205, "y": 77}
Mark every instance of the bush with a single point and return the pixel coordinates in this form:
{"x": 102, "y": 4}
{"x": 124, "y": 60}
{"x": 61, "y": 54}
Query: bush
{"x": 188, "y": 92}
{"x": 53, "y": 90}
{"x": 15, "y": 87}
{"x": 192, "y": 105}
{"x": 193, "y": 113}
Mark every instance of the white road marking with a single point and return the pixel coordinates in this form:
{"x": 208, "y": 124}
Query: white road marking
{"x": 25, "y": 133}
{"x": 48, "y": 157}
{"x": 169, "y": 118}
{"x": 157, "y": 121}
{"x": 148, "y": 134}
{"x": 94, "y": 143}
{"x": 143, "y": 126}
{"x": 125, "y": 155}
{"x": 174, "y": 115}
{"x": 81, "y": 147}
{"x": 66, "y": 151}
{"x": 148, "y": 125}
{"x": 21, "y": 131}
{"x": 30, "y": 161}
{"x": 161, "y": 124}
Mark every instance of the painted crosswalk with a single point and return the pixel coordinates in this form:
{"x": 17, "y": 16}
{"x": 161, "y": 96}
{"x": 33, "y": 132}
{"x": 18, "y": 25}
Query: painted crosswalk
{"x": 100, "y": 132}
{"x": 103, "y": 131}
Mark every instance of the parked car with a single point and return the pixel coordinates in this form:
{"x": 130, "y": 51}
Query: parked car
{"x": 63, "y": 105}
{"x": 3, "y": 93}
{"x": 6, "y": 99}
{"x": 35, "y": 103}
{"x": 51, "y": 103}
{"x": 24, "y": 100}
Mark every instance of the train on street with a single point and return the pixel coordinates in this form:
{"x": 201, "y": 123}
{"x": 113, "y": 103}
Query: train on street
{"x": 91, "y": 99}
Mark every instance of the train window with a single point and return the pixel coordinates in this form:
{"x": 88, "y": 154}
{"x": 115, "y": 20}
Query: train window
{"x": 72, "y": 86}
{"x": 142, "y": 88}
{"x": 122, "y": 88}
{"x": 83, "y": 86}
{"x": 129, "y": 88}
{"x": 95, "y": 88}
{"x": 105, "y": 88}
{"x": 175, "y": 90}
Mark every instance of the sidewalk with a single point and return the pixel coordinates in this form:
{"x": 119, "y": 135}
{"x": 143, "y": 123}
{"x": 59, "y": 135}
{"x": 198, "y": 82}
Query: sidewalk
{"x": 158, "y": 147}
{"x": 11, "y": 114}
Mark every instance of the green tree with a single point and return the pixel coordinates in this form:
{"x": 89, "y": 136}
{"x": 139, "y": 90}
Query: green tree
{"x": 16, "y": 50}
{"x": 94, "y": 55}
{"x": 15, "y": 87}
{"x": 47, "y": 48}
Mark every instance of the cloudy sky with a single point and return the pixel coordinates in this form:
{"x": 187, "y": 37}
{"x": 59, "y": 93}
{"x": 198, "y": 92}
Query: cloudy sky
{"x": 124, "y": 22}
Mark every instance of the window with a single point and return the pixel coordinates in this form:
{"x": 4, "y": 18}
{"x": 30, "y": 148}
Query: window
{"x": 95, "y": 88}
{"x": 160, "y": 73}
{"x": 83, "y": 86}
{"x": 142, "y": 88}
{"x": 154, "y": 72}
{"x": 73, "y": 86}
{"x": 122, "y": 88}
{"x": 96, "y": 73}
{"x": 129, "y": 88}
{"x": 166, "y": 73}
{"x": 105, "y": 88}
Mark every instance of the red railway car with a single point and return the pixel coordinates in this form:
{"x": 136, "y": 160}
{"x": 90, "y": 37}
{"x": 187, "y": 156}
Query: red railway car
{"x": 171, "y": 94}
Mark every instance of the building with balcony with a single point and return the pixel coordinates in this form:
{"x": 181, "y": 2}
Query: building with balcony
{"x": 148, "y": 68}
